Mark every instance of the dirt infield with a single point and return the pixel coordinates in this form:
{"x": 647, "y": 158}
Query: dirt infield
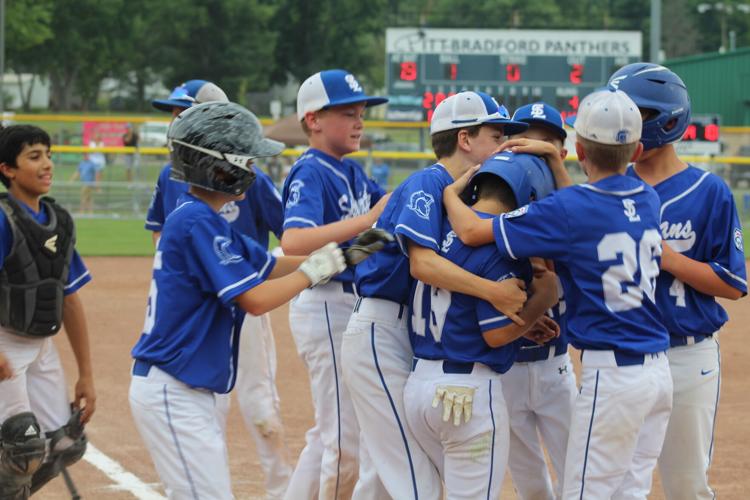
{"x": 115, "y": 301}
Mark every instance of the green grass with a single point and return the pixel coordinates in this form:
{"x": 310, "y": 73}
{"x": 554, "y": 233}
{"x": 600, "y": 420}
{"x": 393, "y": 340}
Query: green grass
{"x": 112, "y": 237}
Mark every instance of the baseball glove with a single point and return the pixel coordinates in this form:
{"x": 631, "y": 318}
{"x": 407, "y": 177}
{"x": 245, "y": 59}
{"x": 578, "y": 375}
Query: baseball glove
{"x": 367, "y": 243}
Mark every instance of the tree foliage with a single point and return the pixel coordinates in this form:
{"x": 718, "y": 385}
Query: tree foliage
{"x": 246, "y": 45}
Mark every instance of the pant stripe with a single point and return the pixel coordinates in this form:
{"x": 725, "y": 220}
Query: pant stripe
{"x": 492, "y": 449}
{"x": 716, "y": 403}
{"x": 395, "y": 412}
{"x": 588, "y": 438}
{"x": 177, "y": 444}
{"x": 338, "y": 399}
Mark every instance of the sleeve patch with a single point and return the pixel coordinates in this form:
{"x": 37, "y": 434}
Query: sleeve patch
{"x": 517, "y": 212}
{"x": 294, "y": 193}
{"x": 223, "y": 252}
{"x": 421, "y": 203}
{"x": 738, "y": 240}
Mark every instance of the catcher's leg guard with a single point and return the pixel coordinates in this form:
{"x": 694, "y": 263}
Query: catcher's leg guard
{"x": 67, "y": 446}
{"x": 22, "y": 449}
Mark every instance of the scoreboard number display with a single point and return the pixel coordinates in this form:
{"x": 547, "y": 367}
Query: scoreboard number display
{"x": 424, "y": 66}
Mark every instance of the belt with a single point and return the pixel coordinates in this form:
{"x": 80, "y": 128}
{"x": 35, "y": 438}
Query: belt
{"x": 621, "y": 358}
{"x": 539, "y": 353}
{"x": 347, "y": 286}
{"x": 679, "y": 340}
{"x": 141, "y": 368}
{"x": 460, "y": 367}
{"x": 387, "y": 308}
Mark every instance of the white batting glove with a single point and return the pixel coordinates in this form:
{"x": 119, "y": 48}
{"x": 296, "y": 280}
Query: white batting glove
{"x": 457, "y": 400}
{"x": 323, "y": 264}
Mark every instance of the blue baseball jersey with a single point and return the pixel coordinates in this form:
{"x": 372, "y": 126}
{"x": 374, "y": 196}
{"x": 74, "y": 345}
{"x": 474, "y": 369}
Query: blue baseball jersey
{"x": 414, "y": 212}
{"x": 254, "y": 216}
{"x": 192, "y": 325}
{"x": 321, "y": 190}
{"x": 699, "y": 220}
{"x": 447, "y": 325}
{"x": 78, "y": 274}
{"x": 605, "y": 241}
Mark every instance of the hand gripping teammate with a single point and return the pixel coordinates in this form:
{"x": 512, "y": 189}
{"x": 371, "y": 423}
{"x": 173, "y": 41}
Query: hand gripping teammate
{"x": 540, "y": 387}
{"x": 206, "y": 276}
{"x": 40, "y": 275}
{"x": 462, "y": 344}
{"x": 259, "y": 213}
{"x": 604, "y": 239}
{"x": 328, "y": 198}
{"x": 703, "y": 259}
{"x": 466, "y": 129}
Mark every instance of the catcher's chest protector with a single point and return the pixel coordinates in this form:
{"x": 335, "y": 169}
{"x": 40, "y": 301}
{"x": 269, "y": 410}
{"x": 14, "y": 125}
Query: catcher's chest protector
{"x": 33, "y": 276}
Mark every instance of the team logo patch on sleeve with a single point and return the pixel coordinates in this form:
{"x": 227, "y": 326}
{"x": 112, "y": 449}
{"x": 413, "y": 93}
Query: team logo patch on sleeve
{"x": 421, "y": 204}
{"x": 517, "y": 212}
{"x": 294, "y": 192}
{"x": 230, "y": 211}
{"x": 738, "y": 240}
{"x": 222, "y": 251}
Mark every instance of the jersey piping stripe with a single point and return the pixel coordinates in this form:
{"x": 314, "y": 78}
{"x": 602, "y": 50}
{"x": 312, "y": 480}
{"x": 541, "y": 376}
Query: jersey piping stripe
{"x": 492, "y": 448}
{"x": 505, "y": 238}
{"x": 77, "y": 280}
{"x": 732, "y": 275}
{"x": 177, "y": 444}
{"x": 235, "y": 285}
{"x": 588, "y": 439}
{"x": 393, "y": 409}
{"x": 262, "y": 271}
{"x": 612, "y": 193}
{"x": 683, "y": 194}
{"x": 338, "y": 399}
{"x": 153, "y": 223}
{"x": 492, "y": 320}
{"x": 299, "y": 219}
{"x": 339, "y": 175}
{"x": 417, "y": 234}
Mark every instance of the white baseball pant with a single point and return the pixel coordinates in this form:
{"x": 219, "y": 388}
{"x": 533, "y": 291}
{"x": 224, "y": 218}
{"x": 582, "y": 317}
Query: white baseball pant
{"x": 327, "y": 467}
{"x": 182, "y": 431}
{"x": 472, "y": 456}
{"x": 540, "y": 397}
{"x": 617, "y": 428}
{"x": 688, "y": 446}
{"x": 377, "y": 359}
{"x": 38, "y": 382}
{"x": 259, "y": 402}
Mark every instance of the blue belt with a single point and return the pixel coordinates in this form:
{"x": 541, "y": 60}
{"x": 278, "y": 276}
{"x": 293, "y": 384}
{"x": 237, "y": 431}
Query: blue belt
{"x": 679, "y": 340}
{"x": 141, "y": 368}
{"x": 347, "y": 286}
{"x": 460, "y": 367}
{"x": 538, "y": 353}
{"x": 623, "y": 358}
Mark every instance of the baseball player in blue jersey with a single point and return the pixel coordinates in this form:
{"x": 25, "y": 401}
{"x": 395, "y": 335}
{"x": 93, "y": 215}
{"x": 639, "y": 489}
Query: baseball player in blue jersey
{"x": 462, "y": 344}
{"x": 40, "y": 275}
{"x": 204, "y": 273}
{"x": 466, "y": 128}
{"x": 328, "y": 198}
{"x": 540, "y": 387}
{"x": 703, "y": 258}
{"x": 604, "y": 239}
{"x": 256, "y": 215}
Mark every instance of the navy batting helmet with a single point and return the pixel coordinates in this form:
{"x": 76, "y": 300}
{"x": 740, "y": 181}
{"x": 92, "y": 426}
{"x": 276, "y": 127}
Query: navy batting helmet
{"x": 655, "y": 88}
{"x": 528, "y": 176}
{"x": 212, "y": 146}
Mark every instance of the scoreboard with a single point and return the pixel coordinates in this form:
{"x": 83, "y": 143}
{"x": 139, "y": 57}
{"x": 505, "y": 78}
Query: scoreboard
{"x": 426, "y": 65}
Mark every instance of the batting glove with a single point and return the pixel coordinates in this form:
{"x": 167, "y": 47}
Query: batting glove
{"x": 323, "y": 264}
{"x": 457, "y": 400}
{"x": 367, "y": 243}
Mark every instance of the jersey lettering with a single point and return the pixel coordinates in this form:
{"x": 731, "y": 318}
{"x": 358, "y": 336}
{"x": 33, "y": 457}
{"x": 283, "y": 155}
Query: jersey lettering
{"x": 437, "y": 301}
{"x": 153, "y": 292}
{"x": 678, "y": 235}
{"x": 630, "y": 210}
{"x": 677, "y": 290}
{"x": 621, "y": 292}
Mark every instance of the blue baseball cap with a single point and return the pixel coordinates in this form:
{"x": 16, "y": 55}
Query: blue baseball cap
{"x": 542, "y": 114}
{"x": 190, "y": 93}
{"x": 469, "y": 108}
{"x": 528, "y": 176}
{"x": 332, "y": 87}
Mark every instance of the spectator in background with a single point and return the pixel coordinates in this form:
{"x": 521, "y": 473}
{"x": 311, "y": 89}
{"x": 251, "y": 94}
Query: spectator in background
{"x": 90, "y": 174}
{"x": 132, "y": 160}
{"x": 97, "y": 157}
{"x": 380, "y": 172}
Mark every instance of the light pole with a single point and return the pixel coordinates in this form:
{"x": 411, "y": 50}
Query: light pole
{"x": 725, "y": 9}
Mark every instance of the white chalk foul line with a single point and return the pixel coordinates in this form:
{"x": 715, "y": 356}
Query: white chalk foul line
{"x": 125, "y": 480}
